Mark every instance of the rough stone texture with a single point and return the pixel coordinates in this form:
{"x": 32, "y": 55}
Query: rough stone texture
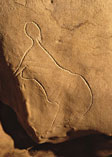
{"x": 12, "y": 127}
{"x": 55, "y": 66}
{"x": 16, "y": 153}
{"x": 88, "y": 146}
{"x": 6, "y": 143}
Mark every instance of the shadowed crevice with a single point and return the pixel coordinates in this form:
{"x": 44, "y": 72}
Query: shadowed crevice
{"x": 13, "y": 128}
{"x": 88, "y": 146}
{"x": 10, "y": 94}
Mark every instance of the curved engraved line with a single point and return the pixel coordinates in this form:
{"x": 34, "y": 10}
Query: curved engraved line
{"x": 38, "y": 82}
{"x": 27, "y": 51}
{"x": 46, "y": 96}
{"x": 39, "y": 29}
{"x": 56, "y": 63}
{"x": 66, "y": 70}
{"x": 17, "y": 72}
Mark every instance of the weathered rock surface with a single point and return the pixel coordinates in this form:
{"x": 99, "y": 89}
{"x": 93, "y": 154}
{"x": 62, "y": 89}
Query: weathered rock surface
{"x": 55, "y": 66}
{"x": 16, "y": 153}
{"x": 92, "y": 145}
{"x": 6, "y": 143}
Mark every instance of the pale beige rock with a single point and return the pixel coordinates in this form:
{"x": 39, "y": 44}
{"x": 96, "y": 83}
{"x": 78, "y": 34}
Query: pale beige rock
{"x": 55, "y": 65}
{"x": 43, "y": 153}
{"x": 6, "y": 143}
{"x": 17, "y": 153}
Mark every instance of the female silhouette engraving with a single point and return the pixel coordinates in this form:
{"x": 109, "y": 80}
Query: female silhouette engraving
{"x": 69, "y": 91}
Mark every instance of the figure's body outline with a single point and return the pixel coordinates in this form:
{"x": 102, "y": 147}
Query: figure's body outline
{"x": 20, "y": 72}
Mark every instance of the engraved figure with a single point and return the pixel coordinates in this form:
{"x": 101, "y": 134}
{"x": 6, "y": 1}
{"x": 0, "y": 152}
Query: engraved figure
{"x": 70, "y": 91}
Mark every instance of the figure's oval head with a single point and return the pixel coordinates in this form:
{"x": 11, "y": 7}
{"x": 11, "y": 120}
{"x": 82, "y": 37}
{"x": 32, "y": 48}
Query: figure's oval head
{"x": 33, "y": 30}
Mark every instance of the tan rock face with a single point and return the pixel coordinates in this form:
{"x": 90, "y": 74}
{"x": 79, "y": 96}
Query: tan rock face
{"x": 55, "y": 65}
{"x": 6, "y": 143}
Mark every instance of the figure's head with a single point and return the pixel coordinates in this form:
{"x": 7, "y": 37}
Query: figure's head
{"x": 33, "y": 31}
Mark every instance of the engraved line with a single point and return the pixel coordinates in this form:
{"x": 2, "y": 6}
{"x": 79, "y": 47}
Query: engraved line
{"x": 89, "y": 107}
{"x": 56, "y": 63}
{"x": 46, "y": 96}
{"x": 27, "y": 51}
{"x": 39, "y": 29}
{"x": 17, "y": 72}
{"x": 59, "y": 66}
{"x": 38, "y": 82}
{"x": 66, "y": 70}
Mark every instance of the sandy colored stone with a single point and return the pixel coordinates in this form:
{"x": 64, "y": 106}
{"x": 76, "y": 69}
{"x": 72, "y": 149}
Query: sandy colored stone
{"x": 6, "y": 143}
{"x": 17, "y": 153}
{"x": 42, "y": 154}
{"x": 55, "y": 66}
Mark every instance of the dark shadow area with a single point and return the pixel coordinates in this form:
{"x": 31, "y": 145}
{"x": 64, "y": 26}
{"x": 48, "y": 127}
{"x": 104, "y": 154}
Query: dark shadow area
{"x": 13, "y": 128}
{"x": 87, "y": 146}
{"x": 11, "y": 93}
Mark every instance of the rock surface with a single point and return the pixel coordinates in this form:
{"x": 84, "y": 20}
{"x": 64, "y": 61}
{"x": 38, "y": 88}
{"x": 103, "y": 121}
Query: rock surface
{"x": 55, "y": 66}
{"x": 7, "y": 146}
{"x": 89, "y": 146}
{"x": 6, "y": 143}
